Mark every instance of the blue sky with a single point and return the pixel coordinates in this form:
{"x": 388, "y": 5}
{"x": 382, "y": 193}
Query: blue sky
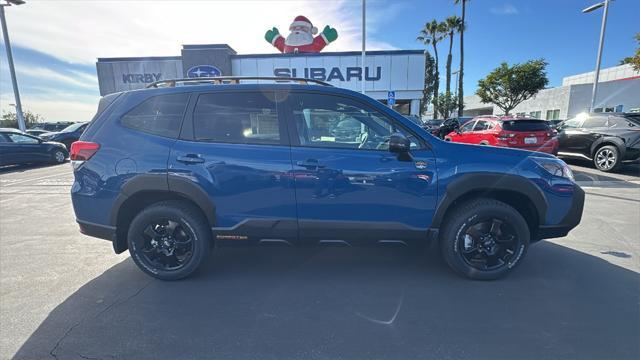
{"x": 55, "y": 50}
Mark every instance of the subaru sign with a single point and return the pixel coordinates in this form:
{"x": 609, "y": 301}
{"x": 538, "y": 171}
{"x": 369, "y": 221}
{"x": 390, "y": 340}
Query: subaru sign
{"x": 203, "y": 71}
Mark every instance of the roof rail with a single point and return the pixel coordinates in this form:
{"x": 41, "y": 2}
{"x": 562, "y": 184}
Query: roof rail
{"x": 220, "y": 80}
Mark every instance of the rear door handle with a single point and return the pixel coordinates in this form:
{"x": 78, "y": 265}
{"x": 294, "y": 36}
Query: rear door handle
{"x": 190, "y": 159}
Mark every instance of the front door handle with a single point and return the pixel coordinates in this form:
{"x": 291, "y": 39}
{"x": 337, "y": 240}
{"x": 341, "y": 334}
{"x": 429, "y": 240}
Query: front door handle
{"x": 309, "y": 164}
{"x": 190, "y": 159}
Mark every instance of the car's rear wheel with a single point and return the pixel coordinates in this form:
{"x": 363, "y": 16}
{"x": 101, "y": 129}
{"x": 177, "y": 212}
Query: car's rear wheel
{"x": 58, "y": 156}
{"x": 169, "y": 240}
{"x": 484, "y": 239}
{"x": 607, "y": 158}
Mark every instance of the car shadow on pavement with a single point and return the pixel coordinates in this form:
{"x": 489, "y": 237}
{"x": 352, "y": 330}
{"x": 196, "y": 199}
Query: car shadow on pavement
{"x": 353, "y": 303}
{"x": 7, "y": 169}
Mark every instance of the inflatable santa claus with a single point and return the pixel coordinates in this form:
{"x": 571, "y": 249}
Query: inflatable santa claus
{"x": 301, "y": 39}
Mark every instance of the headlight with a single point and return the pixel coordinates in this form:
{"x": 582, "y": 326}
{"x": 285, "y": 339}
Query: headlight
{"x": 555, "y": 167}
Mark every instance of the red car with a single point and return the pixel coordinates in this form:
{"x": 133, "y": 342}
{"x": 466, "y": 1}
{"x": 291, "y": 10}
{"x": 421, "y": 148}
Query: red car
{"x": 517, "y": 132}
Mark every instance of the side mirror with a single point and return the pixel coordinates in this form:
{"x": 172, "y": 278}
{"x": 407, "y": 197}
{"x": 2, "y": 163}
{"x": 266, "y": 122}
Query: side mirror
{"x": 399, "y": 144}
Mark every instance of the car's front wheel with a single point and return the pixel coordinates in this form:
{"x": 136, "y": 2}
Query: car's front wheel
{"x": 169, "y": 240}
{"x": 607, "y": 158}
{"x": 484, "y": 239}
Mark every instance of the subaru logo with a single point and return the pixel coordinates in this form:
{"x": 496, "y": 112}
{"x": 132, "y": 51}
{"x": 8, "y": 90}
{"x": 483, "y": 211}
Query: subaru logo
{"x": 203, "y": 71}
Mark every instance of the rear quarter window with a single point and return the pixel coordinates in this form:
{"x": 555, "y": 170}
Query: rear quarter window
{"x": 160, "y": 115}
{"x": 241, "y": 118}
{"x": 525, "y": 125}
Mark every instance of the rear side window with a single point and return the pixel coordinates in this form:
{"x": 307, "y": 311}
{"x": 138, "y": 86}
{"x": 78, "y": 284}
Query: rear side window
{"x": 243, "y": 118}
{"x": 525, "y": 125}
{"x": 159, "y": 115}
{"x": 595, "y": 122}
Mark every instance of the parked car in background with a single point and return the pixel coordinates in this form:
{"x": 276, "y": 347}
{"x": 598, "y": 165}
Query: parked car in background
{"x": 433, "y": 126}
{"x": 68, "y": 135}
{"x": 17, "y": 147}
{"x": 607, "y": 139}
{"x": 262, "y": 164}
{"x": 508, "y": 131}
{"x": 554, "y": 123}
{"x": 36, "y": 132}
{"x": 414, "y": 119}
{"x": 52, "y": 127}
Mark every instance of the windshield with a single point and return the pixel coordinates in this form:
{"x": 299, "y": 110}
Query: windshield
{"x": 72, "y": 128}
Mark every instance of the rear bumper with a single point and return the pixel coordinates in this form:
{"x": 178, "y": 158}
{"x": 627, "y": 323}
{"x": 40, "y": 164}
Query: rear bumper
{"x": 97, "y": 230}
{"x": 570, "y": 221}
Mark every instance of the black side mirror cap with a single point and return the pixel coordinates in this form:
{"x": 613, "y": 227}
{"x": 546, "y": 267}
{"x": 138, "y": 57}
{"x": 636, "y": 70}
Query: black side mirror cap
{"x": 399, "y": 144}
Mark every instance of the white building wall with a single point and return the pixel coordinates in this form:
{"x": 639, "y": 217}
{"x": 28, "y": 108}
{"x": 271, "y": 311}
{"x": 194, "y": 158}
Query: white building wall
{"x": 609, "y": 74}
{"x": 610, "y": 95}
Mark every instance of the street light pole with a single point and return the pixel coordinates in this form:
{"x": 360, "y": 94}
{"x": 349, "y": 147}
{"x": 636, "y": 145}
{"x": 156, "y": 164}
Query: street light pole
{"x": 21, "y": 124}
{"x": 364, "y": 37}
{"x": 591, "y": 8}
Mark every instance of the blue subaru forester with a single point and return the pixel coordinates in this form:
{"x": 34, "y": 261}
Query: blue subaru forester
{"x": 171, "y": 171}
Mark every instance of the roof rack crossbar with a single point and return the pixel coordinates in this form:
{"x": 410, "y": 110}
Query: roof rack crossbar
{"x": 218, "y": 80}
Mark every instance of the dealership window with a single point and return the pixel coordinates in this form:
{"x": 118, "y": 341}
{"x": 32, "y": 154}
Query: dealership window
{"x": 243, "y": 118}
{"x": 330, "y": 121}
{"x": 535, "y": 114}
{"x": 619, "y": 108}
{"x": 553, "y": 114}
{"x": 159, "y": 115}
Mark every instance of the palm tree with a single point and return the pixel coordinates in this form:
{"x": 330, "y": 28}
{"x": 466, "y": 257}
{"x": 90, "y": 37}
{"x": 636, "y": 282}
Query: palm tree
{"x": 431, "y": 34}
{"x": 461, "y": 74}
{"x": 452, "y": 24}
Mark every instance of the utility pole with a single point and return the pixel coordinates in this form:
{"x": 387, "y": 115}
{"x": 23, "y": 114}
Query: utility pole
{"x": 596, "y": 77}
{"x": 21, "y": 124}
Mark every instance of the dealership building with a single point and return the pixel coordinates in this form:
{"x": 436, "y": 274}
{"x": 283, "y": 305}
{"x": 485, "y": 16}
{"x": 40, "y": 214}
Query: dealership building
{"x": 397, "y": 73}
{"x": 618, "y": 90}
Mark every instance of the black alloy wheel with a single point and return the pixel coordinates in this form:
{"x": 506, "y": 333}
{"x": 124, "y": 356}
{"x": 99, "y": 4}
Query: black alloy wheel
{"x": 484, "y": 239}
{"x": 169, "y": 240}
{"x": 165, "y": 245}
{"x": 489, "y": 244}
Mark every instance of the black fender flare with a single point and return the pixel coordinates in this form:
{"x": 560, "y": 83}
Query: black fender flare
{"x": 488, "y": 182}
{"x": 164, "y": 183}
{"x": 613, "y": 140}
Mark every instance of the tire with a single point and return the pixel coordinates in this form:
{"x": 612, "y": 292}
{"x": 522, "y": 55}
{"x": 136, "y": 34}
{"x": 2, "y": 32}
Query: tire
{"x": 484, "y": 228}
{"x": 58, "y": 156}
{"x": 607, "y": 158}
{"x": 484, "y": 142}
{"x": 163, "y": 234}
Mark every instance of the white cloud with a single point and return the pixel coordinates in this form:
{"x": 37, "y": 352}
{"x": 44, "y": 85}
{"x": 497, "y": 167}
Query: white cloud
{"x": 61, "y": 107}
{"x": 504, "y": 9}
{"x": 82, "y": 80}
{"x": 81, "y": 31}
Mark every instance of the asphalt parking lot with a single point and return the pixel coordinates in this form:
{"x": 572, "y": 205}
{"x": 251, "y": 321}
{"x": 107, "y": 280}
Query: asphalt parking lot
{"x": 67, "y": 296}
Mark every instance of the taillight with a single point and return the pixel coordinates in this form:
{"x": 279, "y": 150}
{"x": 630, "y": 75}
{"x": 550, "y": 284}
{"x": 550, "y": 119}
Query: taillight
{"x": 506, "y": 136}
{"x": 82, "y": 151}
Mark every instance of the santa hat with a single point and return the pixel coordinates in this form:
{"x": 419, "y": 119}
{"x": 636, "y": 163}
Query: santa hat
{"x": 303, "y": 21}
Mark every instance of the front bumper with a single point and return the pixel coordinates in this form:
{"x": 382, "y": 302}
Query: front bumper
{"x": 570, "y": 221}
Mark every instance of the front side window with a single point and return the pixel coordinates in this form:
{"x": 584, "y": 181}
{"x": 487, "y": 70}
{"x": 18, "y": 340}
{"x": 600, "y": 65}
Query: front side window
{"x": 332, "y": 121}
{"x": 159, "y": 115}
{"x": 242, "y": 118}
{"x": 467, "y": 127}
{"x": 481, "y": 125}
{"x": 571, "y": 124}
{"x": 22, "y": 139}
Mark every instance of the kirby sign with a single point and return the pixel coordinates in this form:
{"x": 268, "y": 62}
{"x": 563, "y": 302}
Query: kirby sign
{"x": 203, "y": 71}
